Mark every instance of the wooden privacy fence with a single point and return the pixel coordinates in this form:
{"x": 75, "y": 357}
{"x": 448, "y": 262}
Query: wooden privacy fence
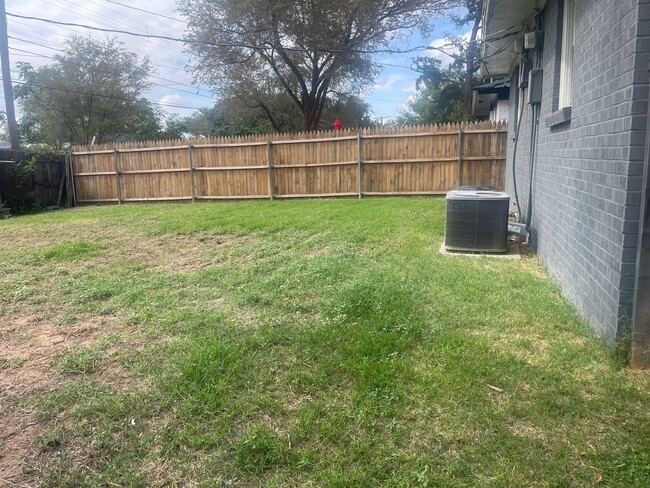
{"x": 417, "y": 160}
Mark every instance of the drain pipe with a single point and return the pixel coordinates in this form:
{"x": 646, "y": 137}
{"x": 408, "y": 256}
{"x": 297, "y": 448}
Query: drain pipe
{"x": 517, "y": 228}
{"x": 534, "y": 101}
{"x": 514, "y": 157}
{"x": 531, "y": 164}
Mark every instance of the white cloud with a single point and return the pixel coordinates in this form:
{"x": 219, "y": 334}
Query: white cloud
{"x": 396, "y": 82}
{"x": 444, "y": 48}
{"x": 411, "y": 87}
{"x": 174, "y": 99}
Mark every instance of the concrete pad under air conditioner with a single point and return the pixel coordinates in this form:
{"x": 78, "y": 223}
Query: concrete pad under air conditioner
{"x": 513, "y": 252}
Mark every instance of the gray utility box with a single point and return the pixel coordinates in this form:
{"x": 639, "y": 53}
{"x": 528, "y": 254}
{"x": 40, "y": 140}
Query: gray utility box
{"x": 477, "y": 220}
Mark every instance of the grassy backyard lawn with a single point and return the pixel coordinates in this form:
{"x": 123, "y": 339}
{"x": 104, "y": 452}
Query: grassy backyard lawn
{"x": 307, "y": 343}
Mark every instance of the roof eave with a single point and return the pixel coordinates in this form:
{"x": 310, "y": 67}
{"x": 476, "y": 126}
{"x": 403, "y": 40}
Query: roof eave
{"x": 504, "y": 21}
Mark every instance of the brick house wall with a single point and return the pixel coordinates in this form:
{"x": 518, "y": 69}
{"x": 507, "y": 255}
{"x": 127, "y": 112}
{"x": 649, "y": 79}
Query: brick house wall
{"x": 588, "y": 170}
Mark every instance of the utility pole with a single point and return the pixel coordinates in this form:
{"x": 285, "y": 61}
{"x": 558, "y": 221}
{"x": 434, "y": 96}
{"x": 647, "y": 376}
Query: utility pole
{"x": 6, "y": 79}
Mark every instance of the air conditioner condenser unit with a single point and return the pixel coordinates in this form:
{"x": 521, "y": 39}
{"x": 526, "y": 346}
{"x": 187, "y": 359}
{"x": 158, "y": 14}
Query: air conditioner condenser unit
{"x": 477, "y": 220}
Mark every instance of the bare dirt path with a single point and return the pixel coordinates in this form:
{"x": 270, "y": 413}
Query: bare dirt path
{"x": 28, "y": 348}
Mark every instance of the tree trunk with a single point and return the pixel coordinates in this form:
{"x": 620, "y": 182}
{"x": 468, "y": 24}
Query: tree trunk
{"x": 308, "y": 117}
{"x": 312, "y": 114}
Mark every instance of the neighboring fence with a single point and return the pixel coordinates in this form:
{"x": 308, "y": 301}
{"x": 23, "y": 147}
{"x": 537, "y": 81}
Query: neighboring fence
{"x": 420, "y": 160}
{"x": 31, "y": 180}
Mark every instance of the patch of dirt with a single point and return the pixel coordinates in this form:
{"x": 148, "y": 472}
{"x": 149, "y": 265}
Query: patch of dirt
{"x": 119, "y": 378}
{"x": 527, "y": 347}
{"x": 28, "y": 345}
{"x": 318, "y": 251}
{"x": 185, "y": 254}
{"x": 179, "y": 254}
{"x": 525, "y": 429}
{"x": 176, "y": 253}
{"x": 38, "y": 237}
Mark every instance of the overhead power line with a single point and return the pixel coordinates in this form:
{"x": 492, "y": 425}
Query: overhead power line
{"x": 224, "y": 44}
{"x": 145, "y": 11}
{"x": 153, "y": 84}
{"x": 29, "y": 41}
{"x": 159, "y": 65}
{"x": 56, "y": 33}
{"x": 116, "y": 17}
{"x": 31, "y": 53}
{"x": 504, "y": 34}
{"x": 187, "y": 91}
{"x": 112, "y": 97}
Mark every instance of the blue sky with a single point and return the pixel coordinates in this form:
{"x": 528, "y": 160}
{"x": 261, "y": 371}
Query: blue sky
{"x": 396, "y": 85}
{"x": 35, "y": 42}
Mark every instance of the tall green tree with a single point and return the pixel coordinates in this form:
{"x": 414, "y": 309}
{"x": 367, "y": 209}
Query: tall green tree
{"x": 446, "y": 94}
{"x": 92, "y": 90}
{"x": 226, "y": 118}
{"x": 469, "y": 49}
{"x": 255, "y": 50}
{"x": 440, "y": 94}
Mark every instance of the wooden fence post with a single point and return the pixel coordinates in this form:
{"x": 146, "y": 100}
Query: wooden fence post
{"x": 269, "y": 158}
{"x": 116, "y": 163}
{"x": 69, "y": 175}
{"x": 460, "y": 157}
{"x": 189, "y": 147}
{"x": 359, "y": 153}
{"x": 63, "y": 176}
{"x": 74, "y": 184}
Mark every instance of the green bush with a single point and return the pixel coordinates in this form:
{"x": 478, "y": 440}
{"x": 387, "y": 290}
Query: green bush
{"x": 24, "y": 198}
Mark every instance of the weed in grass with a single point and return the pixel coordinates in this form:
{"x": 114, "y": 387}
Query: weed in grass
{"x": 6, "y": 364}
{"x": 84, "y": 360}
{"x": 383, "y": 301}
{"x": 261, "y": 449}
{"x": 622, "y": 351}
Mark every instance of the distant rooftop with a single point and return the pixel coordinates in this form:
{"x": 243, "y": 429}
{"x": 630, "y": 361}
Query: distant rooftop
{"x": 500, "y": 84}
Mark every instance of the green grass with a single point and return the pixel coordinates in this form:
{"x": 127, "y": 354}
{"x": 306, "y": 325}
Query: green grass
{"x": 80, "y": 361}
{"x": 71, "y": 251}
{"x": 312, "y": 343}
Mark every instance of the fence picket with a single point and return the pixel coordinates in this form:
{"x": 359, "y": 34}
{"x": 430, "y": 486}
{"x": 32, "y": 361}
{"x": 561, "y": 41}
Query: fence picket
{"x": 422, "y": 159}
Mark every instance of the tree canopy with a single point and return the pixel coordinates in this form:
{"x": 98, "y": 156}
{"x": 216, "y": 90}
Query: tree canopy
{"x": 440, "y": 94}
{"x": 257, "y": 50}
{"x": 230, "y": 117}
{"x": 92, "y": 90}
{"x": 446, "y": 94}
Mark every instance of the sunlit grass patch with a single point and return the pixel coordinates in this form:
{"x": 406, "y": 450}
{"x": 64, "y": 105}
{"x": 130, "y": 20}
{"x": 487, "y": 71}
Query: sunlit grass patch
{"x": 72, "y": 251}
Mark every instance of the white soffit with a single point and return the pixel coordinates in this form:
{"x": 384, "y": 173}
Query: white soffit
{"x": 500, "y": 18}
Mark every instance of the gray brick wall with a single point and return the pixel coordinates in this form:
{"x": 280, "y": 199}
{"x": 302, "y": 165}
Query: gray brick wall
{"x": 587, "y": 173}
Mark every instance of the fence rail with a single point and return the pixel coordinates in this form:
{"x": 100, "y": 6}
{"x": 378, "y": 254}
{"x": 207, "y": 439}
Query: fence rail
{"x": 418, "y": 160}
